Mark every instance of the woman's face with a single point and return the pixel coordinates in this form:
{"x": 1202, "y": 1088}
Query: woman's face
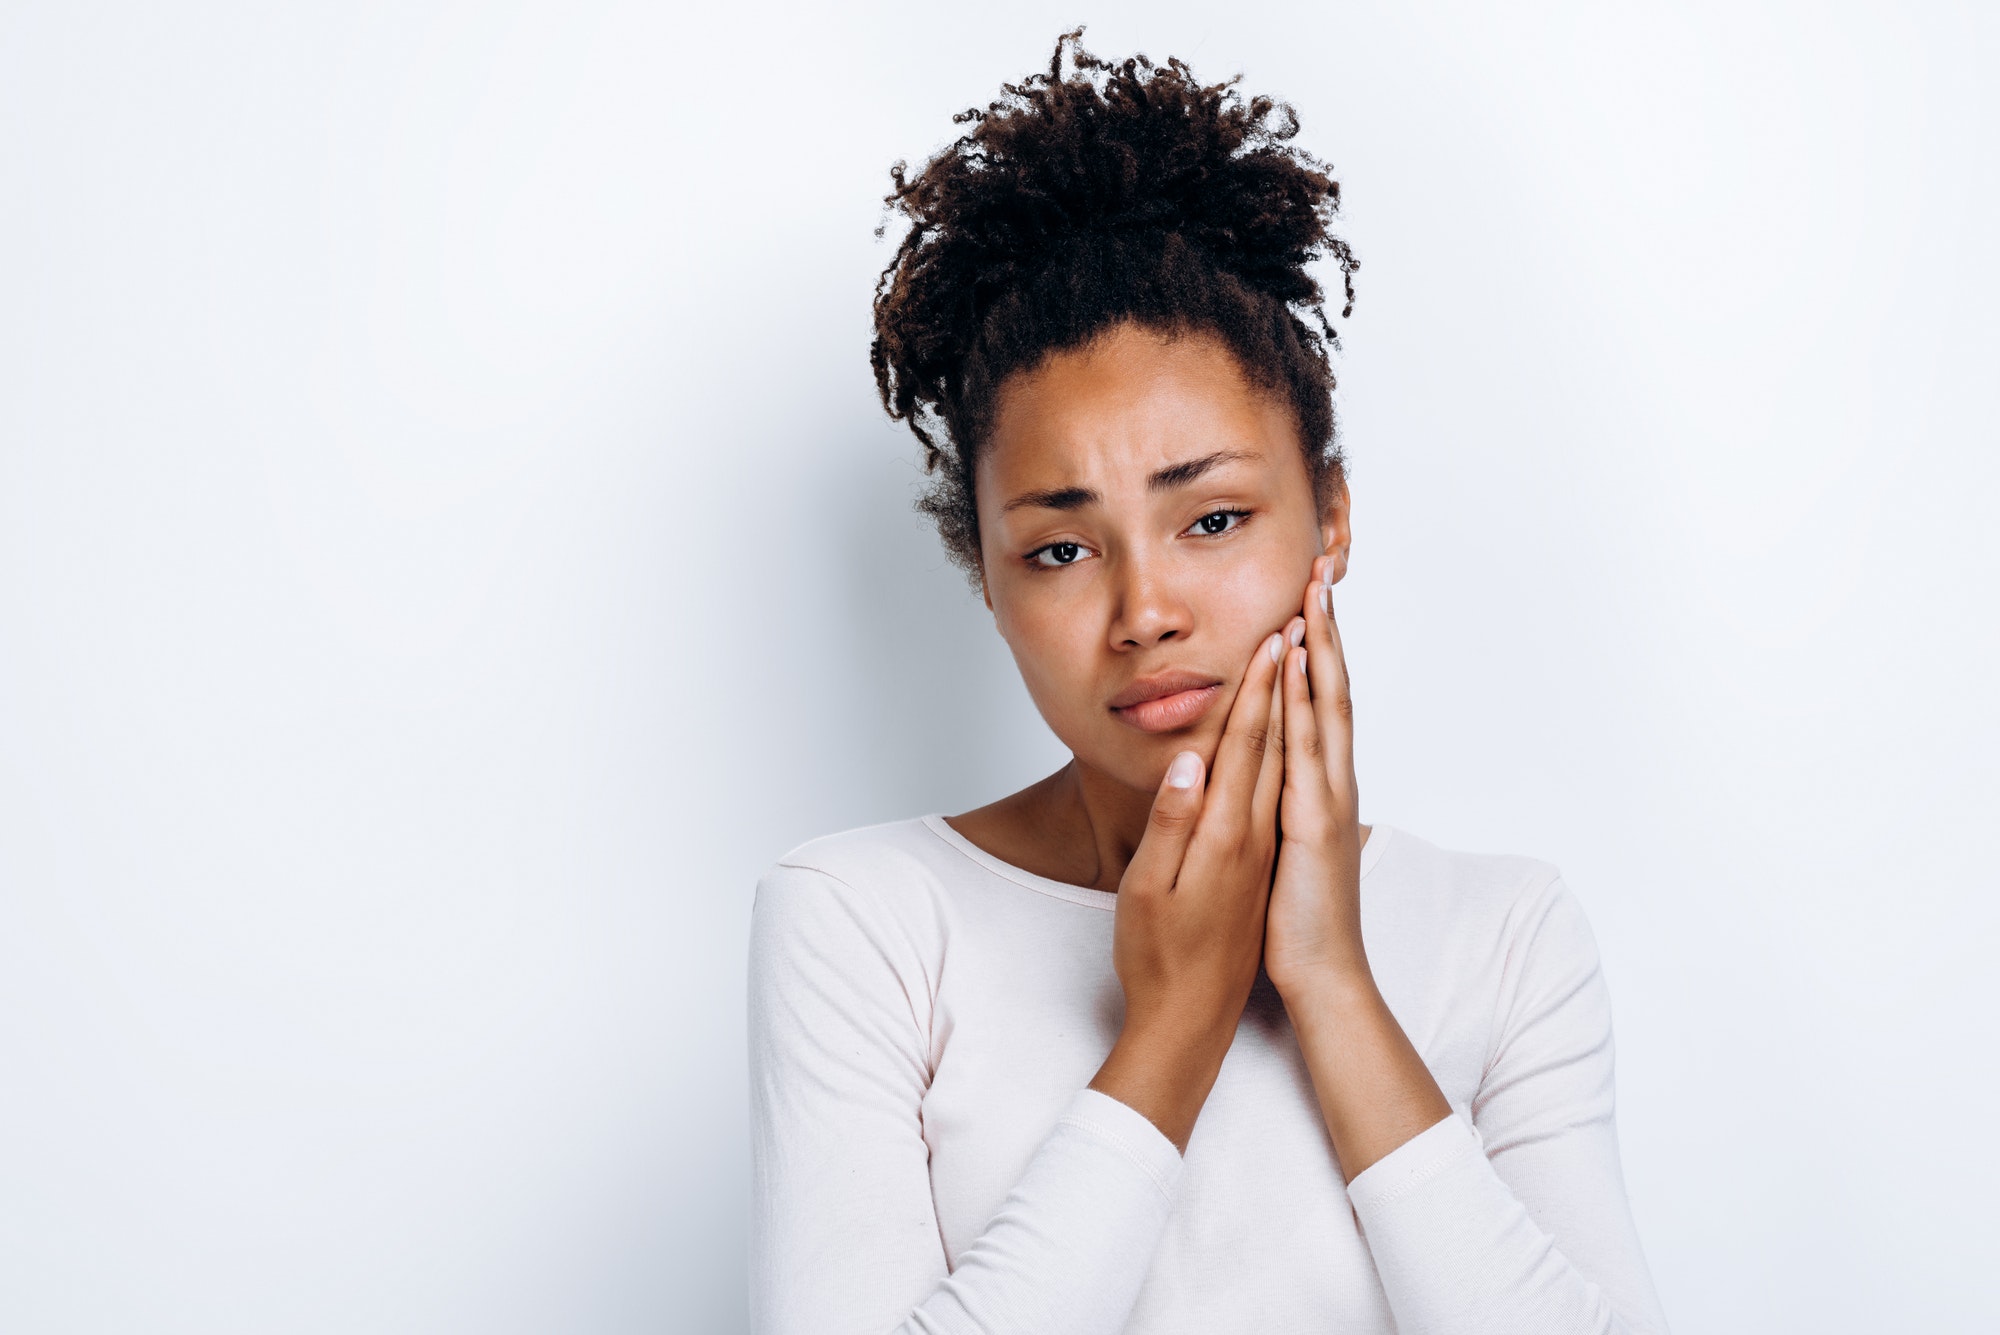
{"x": 1146, "y": 521}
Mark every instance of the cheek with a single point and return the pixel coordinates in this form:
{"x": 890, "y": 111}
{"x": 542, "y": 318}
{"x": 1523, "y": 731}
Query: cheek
{"x": 1252, "y": 598}
{"x": 1053, "y": 646}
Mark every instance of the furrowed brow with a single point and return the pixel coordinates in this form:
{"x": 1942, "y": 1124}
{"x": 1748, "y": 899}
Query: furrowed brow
{"x": 1058, "y": 498}
{"x": 1165, "y": 479}
{"x": 1180, "y": 474}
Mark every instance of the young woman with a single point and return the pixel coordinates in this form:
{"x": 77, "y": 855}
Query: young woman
{"x": 1168, "y": 1041}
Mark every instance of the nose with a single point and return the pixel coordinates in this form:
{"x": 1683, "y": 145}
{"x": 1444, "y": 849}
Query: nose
{"x": 1150, "y": 609}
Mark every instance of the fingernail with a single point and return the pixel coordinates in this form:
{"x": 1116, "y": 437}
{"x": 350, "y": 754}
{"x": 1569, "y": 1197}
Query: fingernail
{"x": 1326, "y": 573}
{"x": 1184, "y": 771}
{"x": 1296, "y": 632}
{"x": 1276, "y": 644}
{"x": 1302, "y": 659}
{"x": 1326, "y": 598}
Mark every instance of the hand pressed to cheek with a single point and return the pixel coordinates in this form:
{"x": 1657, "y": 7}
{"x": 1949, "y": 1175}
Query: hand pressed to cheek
{"x": 1313, "y": 928}
{"x": 1373, "y": 1087}
{"x": 1190, "y": 923}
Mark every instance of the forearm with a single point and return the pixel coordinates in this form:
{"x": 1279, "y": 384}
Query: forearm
{"x": 1374, "y": 1090}
{"x": 1165, "y": 1072}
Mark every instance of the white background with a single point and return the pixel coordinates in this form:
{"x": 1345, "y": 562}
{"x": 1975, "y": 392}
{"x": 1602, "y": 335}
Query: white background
{"x": 449, "y": 545}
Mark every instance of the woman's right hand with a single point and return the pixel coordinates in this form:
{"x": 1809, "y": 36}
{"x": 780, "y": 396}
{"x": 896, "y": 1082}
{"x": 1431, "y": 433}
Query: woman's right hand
{"x": 1189, "y": 933}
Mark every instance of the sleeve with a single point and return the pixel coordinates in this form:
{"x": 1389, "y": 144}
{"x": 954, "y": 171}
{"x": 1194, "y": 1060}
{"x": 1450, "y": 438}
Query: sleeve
{"x": 844, "y": 1236}
{"x": 1517, "y": 1221}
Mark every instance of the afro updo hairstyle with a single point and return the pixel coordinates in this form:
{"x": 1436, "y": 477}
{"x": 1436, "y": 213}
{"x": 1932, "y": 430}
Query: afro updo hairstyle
{"x": 1082, "y": 200}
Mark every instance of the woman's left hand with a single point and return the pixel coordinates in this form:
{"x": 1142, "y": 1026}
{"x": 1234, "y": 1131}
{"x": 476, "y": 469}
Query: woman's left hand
{"x": 1374, "y": 1090}
{"x": 1312, "y": 928}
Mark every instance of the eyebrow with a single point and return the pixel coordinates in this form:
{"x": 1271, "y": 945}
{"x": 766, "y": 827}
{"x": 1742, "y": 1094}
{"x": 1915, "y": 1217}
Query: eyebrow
{"x": 1164, "y": 479}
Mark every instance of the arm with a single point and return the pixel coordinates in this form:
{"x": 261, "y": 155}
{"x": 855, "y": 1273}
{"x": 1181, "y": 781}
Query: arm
{"x": 1516, "y": 1223}
{"x": 844, "y": 1236}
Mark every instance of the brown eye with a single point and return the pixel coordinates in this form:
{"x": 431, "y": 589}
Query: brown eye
{"x": 1057, "y": 554}
{"x": 1217, "y": 521}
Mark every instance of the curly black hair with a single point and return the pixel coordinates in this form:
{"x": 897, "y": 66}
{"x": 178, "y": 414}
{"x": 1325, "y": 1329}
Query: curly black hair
{"x": 1082, "y": 200}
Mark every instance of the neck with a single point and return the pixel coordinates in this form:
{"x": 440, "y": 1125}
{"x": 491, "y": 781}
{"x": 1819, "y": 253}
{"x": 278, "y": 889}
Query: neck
{"x": 1078, "y": 826}
{"x": 1095, "y": 812}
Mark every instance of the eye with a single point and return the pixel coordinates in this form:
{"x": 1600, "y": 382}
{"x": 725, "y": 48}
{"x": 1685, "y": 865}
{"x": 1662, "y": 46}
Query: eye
{"x": 1216, "y": 522}
{"x": 1060, "y": 554}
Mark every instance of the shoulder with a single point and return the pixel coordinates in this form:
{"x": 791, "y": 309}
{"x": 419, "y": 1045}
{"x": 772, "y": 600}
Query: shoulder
{"x": 1504, "y": 902}
{"x": 1502, "y": 932}
{"x": 886, "y": 861}
{"x": 1460, "y": 883}
{"x": 865, "y": 851}
{"x": 872, "y": 880}
{"x": 846, "y": 945}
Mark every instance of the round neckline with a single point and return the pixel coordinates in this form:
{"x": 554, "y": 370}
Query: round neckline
{"x": 1378, "y": 839}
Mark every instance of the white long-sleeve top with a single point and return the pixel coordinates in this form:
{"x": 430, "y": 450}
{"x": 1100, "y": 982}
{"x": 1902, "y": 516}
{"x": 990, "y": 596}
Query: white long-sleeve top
{"x": 924, "y": 1022}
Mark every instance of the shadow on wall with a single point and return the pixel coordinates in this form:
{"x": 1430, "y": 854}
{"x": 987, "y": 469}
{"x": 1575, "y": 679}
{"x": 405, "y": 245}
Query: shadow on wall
{"x": 936, "y": 712}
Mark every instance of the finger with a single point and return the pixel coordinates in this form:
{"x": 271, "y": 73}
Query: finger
{"x": 1271, "y": 774}
{"x": 1156, "y": 862}
{"x": 1246, "y": 736}
{"x": 1308, "y": 803}
{"x": 1333, "y": 699}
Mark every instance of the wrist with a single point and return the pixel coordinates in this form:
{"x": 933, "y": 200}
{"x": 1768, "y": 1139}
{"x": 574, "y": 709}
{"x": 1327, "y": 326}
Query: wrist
{"x": 1329, "y": 988}
{"x": 1184, "y": 1037}
{"x": 1165, "y": 1073}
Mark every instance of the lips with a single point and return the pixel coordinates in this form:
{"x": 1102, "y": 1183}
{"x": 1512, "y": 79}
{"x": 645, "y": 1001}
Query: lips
{"x": 1166, "y": 701}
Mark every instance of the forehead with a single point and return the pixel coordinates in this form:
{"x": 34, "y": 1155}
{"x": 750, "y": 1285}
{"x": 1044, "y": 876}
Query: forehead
{"x": 1128, "y": 401}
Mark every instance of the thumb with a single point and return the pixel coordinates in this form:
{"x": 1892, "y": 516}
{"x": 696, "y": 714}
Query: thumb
{"x": 1156, "y": 862}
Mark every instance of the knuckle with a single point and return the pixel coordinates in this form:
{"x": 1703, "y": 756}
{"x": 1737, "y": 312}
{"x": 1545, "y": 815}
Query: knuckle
{"x": 1142, "y": 886}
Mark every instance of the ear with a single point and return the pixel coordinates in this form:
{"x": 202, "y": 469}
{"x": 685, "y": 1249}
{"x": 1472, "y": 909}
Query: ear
{"x": 1334, "y": 533}
{"x": 984, "y": 591}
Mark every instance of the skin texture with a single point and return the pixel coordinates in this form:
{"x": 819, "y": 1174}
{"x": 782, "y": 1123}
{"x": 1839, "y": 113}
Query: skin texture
{"x": 1107, "y": 575}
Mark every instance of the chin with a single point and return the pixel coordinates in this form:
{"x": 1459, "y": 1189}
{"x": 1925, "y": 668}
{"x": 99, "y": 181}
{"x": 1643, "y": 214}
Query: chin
{"x": 1142, "y": 760}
